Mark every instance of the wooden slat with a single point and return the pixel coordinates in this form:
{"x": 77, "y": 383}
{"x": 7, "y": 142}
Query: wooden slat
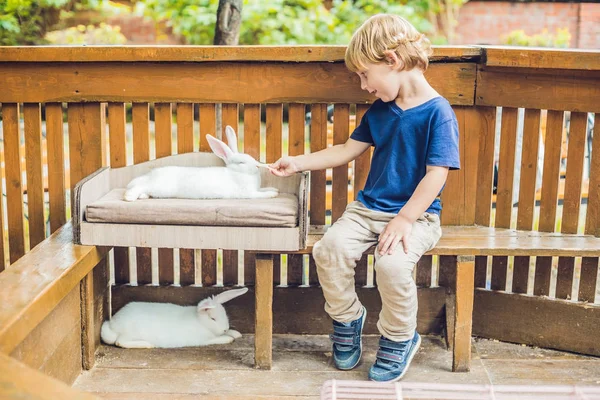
{"x": 2, "y": 231}
{"x": 18, "y": 381}
{"x": 478, "y": 240}
{"x": 589, "y": 266}
{"x": 539, "y": 89}
{"x": 458, "y": 199}
{"x": 529, "y": 159}
{"x": 237, "y": 82}
{"x": 318, "y": 141}
{"x": 362, "y": 162}
{"x": 85, "y": 150}
{"x": 341, "y": 114}
{"x": 423, "y": 275}
{"x": 274, "y": 136}
{"x": 14, "y": 191}
{"x": 141, "y": 153}
{"x": 208, "y": 125}
{"x": 529, "y": 313}
{"x": 118, "y": 158}
{"x": 32, "y": 114}
{"x": 208, "y": 54}
{"x": 485, "y": 173}
{"x": 56, "y": 165}
{"x": 504, "y": 198}
{"x": 549, "y": 196}
{"x": 543, "y": 58}
{"x": 305, "y": 303}
{"x": 361, "y": 171}
{"x": 251, "y": 146}
{"x": 572, "y": 199}
{"x": 230, "y": 116}
{"x": 295, "y": 262}
{"x": 185, "y": 144}
{"x": 163, "y": 139}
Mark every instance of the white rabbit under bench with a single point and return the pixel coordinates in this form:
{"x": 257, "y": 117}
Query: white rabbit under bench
{"x": 199, "y": 201}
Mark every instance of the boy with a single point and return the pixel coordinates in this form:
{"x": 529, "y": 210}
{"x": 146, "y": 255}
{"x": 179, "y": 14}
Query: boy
{"x": 415, "y": 137}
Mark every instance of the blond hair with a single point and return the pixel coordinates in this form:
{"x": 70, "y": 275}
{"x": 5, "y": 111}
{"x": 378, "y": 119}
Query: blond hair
{"x": 384, "y": 33}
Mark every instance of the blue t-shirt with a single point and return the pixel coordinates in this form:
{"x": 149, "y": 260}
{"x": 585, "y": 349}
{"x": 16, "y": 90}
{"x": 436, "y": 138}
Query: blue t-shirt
{"x": 405, "y": 143}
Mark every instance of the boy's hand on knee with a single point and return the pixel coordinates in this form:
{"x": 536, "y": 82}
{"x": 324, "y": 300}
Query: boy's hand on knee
{"x": 397, "y": 230}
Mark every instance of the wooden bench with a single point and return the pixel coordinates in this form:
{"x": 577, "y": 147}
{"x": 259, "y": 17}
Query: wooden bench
{"x": 458, "y": 249}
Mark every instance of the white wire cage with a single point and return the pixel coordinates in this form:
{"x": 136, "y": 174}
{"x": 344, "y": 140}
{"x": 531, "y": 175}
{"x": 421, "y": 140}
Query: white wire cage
{"x": 354, "y": 390}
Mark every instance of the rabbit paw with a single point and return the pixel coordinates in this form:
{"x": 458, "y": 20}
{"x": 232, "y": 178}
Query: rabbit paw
{"x": 267, "y": 193}
{"x": 144, "y": 196}
{"x": 129, "y": 196}
{"x": 233, "y": 333}
{"x": 133, "y": 344}
{"x": 225, "y": 339}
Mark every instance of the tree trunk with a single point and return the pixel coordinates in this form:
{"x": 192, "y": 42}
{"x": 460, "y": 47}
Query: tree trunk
{"x": 229, "y": 18}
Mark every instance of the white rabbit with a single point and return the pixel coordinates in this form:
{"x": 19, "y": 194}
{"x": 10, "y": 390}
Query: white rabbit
{"x": 239, "y": 179}
{"x": 147, "y": 325}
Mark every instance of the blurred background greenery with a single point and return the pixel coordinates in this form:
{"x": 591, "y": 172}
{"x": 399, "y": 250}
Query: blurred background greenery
{"x": 273, "y": 22}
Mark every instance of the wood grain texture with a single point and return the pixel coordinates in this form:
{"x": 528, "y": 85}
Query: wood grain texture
{"x": 529, "y": 313}
{"x": 542, "y": 58}
{"x": 302, "y": 53}
{"x": 32, "y": 114}
{"x": 56, "y": 165}
{"x": 538, "y": 89}
{"x": 216, "y": 82}
{"x": 339, "y": 187}
{"x": 263, "y": 339}
{"x": 118, "y": 158}
{"x": 59, "y": 265}
{"x": 18, "y": 381}
{"x": 527, "y": 191}
{"x": 14, "y": 190}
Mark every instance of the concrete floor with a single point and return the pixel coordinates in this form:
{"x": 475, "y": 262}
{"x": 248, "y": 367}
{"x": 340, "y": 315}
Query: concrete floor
{"x": 301, "y": 364}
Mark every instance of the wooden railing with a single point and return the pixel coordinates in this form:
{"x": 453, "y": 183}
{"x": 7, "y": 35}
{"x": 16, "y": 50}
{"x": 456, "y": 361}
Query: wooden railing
{"x": 130, "y": 104}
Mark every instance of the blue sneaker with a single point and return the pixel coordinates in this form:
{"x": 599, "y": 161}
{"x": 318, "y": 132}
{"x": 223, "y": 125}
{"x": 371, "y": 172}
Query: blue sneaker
{"x": 347, "y": 342}
{"x": 393, "y": 359}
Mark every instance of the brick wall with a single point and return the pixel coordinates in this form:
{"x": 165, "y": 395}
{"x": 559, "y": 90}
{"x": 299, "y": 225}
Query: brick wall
{"x": 142, "y": 31}
{"x": 485, "y": 22}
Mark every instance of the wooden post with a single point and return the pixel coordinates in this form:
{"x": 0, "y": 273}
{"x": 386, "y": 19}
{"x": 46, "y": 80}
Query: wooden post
{"x": 87, "y": 321}
{"x": 263, "y": 339}
{"x": 464, "y": 287}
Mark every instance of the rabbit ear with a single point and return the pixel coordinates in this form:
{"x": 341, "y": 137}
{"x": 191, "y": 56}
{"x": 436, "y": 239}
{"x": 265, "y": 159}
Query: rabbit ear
{"x": 231, "y": 139}
{"x": 206, "y": 304}
{"x": 219, "y": 148}
{"x": 224, "y": 297}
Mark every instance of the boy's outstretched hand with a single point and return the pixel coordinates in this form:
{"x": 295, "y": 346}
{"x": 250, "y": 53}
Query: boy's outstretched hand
{"x": 285, "y": 166}
{"x": 396, "y": 231}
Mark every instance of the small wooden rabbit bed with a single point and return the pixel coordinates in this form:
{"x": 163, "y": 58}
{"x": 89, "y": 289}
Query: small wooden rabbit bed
{"x": 102, "y": 216}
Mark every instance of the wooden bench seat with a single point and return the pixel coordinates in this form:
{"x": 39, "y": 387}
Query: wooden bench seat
{"x": 459, "y": 245}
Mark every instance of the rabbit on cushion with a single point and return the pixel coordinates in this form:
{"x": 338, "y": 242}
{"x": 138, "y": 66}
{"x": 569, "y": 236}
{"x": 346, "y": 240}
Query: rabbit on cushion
{"x": 147, "y": 325}
{"x": 239, "y": 179}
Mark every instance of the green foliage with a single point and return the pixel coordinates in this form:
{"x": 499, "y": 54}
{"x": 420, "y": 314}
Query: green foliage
{"x": 280, "y": 22}
{"x": 24, "y": 22}
{"x": 81, "y": 34}
{"x": 561, "y": 39}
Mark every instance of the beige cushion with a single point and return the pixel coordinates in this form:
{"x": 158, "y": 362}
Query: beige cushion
{"x": 281, "y": 211}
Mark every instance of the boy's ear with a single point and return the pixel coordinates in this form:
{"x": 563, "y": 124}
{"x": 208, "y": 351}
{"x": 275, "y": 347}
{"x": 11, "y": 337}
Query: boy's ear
{"x": 391, "y": 59}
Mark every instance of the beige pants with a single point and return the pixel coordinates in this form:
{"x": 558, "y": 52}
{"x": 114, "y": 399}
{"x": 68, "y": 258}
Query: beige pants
{"x": 337, "y": 253}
